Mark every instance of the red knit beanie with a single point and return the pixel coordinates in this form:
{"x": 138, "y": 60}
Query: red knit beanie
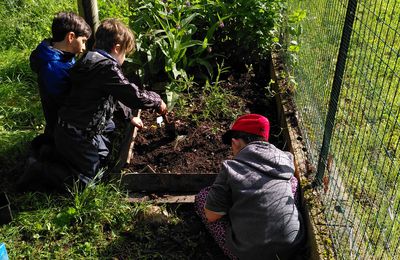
{"x": 252, "y": 124}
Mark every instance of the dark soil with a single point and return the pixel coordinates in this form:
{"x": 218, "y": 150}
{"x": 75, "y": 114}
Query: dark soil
{"x": 188, "y": 149}
{"x": 196, "y": 147}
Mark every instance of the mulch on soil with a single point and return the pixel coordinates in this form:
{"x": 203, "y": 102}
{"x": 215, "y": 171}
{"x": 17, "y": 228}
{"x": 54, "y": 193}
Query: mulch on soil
{"x": 188, "y": 149}
{"x": 198, "y": 148}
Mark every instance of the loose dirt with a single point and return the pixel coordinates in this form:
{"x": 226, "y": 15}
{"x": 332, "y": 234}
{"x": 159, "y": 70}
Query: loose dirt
{"x": 196, "y": 147}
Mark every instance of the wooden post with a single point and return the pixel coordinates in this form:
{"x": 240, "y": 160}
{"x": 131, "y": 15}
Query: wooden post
{"x": 127, "y": 144}
{"x": 89, "y": 11}
{"x": 132, "y": 143}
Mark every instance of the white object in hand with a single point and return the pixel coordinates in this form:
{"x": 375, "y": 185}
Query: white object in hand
{"x": 160, "y": 120}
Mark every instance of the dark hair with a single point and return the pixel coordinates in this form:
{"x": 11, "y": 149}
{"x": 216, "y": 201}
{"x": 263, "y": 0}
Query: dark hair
{"x": 65, "y": 22}
{"x": 112, "y": 32}
{"x": 246, "y": 137}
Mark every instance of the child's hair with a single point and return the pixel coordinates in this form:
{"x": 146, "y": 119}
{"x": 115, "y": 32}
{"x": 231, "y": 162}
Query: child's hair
{"x": 246, "y": 137}
{"x": 65, "y": 22}
{"x": 112, "y": 32}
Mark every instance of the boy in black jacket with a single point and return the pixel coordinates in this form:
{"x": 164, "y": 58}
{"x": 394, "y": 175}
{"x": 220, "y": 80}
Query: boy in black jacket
{"x": 97, "y": 84}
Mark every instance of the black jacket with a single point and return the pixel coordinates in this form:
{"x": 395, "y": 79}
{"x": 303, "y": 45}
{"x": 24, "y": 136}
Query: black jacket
{"x": 97, "y": 84}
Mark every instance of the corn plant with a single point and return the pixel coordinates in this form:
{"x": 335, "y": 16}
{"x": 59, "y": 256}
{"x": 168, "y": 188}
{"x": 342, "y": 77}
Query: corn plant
{"x": 170, "y": 46}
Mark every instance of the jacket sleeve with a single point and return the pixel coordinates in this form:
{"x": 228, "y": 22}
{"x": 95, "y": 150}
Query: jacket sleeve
{"x": 219, "y": 197}
{"x": 128, "y": 93}
{"x": 125, "y": 110}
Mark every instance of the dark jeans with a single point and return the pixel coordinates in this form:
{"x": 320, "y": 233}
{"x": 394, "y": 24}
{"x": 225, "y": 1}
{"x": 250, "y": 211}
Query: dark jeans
{"x": 75, "y": 157}
{"x": 83, "y": 154}
{"x": 50, "y": 105}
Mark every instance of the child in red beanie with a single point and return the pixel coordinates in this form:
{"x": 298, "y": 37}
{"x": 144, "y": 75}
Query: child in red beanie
{"x": 250, "y": 209}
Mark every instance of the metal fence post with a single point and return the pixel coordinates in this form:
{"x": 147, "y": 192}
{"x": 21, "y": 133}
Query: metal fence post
{"x": 89, "y": 11}
{"x": 336, "y": 87}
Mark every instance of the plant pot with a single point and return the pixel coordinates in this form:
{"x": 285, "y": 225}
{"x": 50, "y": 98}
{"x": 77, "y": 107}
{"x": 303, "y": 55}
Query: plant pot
{"x": 5, "y": 210}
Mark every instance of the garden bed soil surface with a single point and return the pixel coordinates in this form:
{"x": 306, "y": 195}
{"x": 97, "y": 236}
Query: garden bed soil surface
{"x": 197, "y": 147}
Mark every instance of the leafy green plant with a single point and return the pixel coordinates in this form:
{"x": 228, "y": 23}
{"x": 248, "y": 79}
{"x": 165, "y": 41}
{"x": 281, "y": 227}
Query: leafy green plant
{"x": 113, "y": 9}
{"x": 293, "y": 30}
{"x": 215, "y": 99}
{"x": 287, "y": 32}
{"x": 167, "y": 47}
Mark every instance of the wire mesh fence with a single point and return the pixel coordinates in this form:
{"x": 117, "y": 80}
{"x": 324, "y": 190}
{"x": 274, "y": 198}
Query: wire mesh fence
{"x": 349, "y": 102}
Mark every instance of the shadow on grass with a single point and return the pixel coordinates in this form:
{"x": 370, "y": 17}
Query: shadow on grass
{"x": 13, "y": 155}
{"x": 185, "y": 238}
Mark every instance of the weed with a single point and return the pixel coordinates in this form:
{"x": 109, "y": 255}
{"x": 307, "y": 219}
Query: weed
{"x": 216, "y": 100}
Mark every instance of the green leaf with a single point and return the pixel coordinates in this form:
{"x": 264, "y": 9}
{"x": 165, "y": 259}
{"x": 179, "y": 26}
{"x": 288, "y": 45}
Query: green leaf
{"x": 187, "y": 20}
{"x": 172, "y": 98}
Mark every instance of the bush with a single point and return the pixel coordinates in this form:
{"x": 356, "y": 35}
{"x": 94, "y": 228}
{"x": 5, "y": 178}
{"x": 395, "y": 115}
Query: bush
{"x": 177, "y": 36}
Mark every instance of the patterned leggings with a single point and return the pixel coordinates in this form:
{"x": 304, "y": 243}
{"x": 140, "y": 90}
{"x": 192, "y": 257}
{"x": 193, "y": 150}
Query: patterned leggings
{"x": 218, "y": 228}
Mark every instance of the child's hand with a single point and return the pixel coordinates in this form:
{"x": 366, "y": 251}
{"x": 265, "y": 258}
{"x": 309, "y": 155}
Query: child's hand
{"x": 137, "y": 122}
{"x": 163, "y": 108}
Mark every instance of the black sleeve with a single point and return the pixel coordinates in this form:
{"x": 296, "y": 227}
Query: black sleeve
{"x": 125, "y": 110}
{"x": 128, "y": 93}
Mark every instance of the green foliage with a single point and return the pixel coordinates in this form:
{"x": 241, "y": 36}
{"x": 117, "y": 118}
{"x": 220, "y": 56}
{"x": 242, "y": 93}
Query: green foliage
{"x": 166, "y": 38}
{"x": 24, "y": 23}
{"x": 214, "y": 104}
{"x": 181, "y": 32}
{"x": 19, "y": 102}
{"x": 113, "y": 9}
{"x": 182, "y": 41}
{"x": 20, "y": 110}
{"x": 216, "y": 100}
{"x": 287, "y": 39}
{"x": 249, "y": 27}
{"x": 293, "y": 30}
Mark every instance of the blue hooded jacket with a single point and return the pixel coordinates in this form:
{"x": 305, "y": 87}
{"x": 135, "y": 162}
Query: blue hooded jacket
{"x": 52, "y": 67}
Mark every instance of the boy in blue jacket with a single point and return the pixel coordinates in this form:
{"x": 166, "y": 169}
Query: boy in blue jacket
{"x": 51, "y": 60}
